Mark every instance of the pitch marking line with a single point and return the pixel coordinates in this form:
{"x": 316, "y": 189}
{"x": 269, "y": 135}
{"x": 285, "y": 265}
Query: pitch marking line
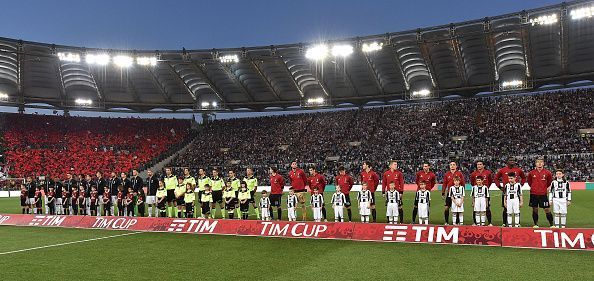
{"x": 69, "y": 243}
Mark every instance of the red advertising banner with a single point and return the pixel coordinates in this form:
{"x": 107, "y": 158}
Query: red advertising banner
{"x": 547, "y": 238}
{"x": 469, "y": 235}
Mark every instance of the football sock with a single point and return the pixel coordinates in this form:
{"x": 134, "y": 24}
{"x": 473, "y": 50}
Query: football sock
{"x": 323, "y": 212}
{"x": 504, "y": 215}
{"x": 271, "y": 213}
{"x": 400, "y": 215}
{"x": 446, "y": 216}
{"x": 517, "y": 219}
{"x": 550, "y": 218}
{"x": 414, "y": 215}
{"x": 477, "y": 218}
{"x": 279, "y": 213}
{"x": 373, "y": 214}
{"x": 535, "y": 217}
{"x": 460, "y": 218}
{"x": 350, "y": 214}
{"x": 489, "y": 215}
{"x": 563, "y": 220}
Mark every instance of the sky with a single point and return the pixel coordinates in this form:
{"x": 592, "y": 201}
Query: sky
{"x": 172, "y": 25}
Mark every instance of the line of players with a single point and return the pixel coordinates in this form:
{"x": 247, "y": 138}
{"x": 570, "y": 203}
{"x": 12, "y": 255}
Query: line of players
{"x": 235, "y": 196}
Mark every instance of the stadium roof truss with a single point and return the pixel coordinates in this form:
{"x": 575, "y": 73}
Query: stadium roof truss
{"x": 520, "y": 50}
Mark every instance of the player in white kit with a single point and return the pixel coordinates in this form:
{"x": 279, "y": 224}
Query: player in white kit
{"x": 291, "y": 204}
{"x": 560, "y": 198}
{"x": 422, "y": 200}
{"x": 365, "y": 200}
{"x": 480, "y": 195}
{"x": 457, "y": 194}
{"x": 265, "y": 206}
{"x": 392, "y": 203}
{"x": 317, "y": 201}
{"x": 338, "y": 201}
{"x": 513, "y": 200}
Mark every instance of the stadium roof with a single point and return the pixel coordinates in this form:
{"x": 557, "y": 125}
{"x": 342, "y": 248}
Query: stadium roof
{"x": 523, "y": 50}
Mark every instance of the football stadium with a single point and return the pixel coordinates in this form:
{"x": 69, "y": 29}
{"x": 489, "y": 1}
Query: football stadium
{"x": 457, "y": 150}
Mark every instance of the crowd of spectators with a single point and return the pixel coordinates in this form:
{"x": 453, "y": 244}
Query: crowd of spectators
{"x": 489, "y": 128}
{"x": 53, "y": 145}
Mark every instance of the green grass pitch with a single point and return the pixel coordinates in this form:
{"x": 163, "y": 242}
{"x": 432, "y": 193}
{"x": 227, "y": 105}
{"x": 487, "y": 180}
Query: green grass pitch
{"x": 166, "y": 256}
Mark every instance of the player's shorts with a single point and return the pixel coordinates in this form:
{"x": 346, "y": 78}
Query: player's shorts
{"x": 93, "y": 207}
{"x": 231, "y": 205}
{"x": 31, "y": 200}
{"x": 180, "y": 201}
{"x": 513, "y": 206}
{"x": 189, "y": 207}
{"x": 423, "y": 210}
{"x": 300, "y": 190}
{"x": 347, "y": 201}
{"x": 244, "y": 207}
{"x": 364, "y": 208}
{"x": 560, "y": 206}
{"x": 170, "y": 195}
{"x": 253, "y": 196}
{"x": 23, "y": 201}
{"x": 217, "y": 196}
{"x": 276, "y": 200}
{"x": 205, "y": 208}
{"x": 448, "y": 201}
{"x": 480, "y": 204}
{"x": 455, "y": 208}
{"x": 540, "y": 201}
{"x": 151, "y": 199}
{"x": 161, "y": 205}
{"x": 392, "y": 210}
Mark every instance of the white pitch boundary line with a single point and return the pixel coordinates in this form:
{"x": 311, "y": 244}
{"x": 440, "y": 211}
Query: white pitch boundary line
{"x": 68, "y": 243}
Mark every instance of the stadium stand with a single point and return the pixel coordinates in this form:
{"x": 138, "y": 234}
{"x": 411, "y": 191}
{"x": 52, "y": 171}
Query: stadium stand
{"x": 53, "y": 145}
{"x": 488, "y": 128}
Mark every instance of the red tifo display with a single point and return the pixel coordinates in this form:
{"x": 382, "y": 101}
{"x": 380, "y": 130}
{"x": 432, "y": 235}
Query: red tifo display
{"x": 539, "y": 238}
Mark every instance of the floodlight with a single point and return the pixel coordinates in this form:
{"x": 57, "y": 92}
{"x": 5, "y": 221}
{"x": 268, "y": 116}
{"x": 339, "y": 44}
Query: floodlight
{"x": 512, "y": 84}
{"x": 3, "y": 96}
{"x": 318, "y": 52}
{"x": 319, "y": 100}
{"x": 123, "y": 61}
{"x": 229, "y": 59}
{"x": 544, "y": 20}
{"x": 371, "y": 47}
{"x": 204, "y": 104}
{"x": 99, "y": 59}
{"x": 214, "y": 104}
{"x": 421, "y": 93}
{"x": 586, "y": 12}
{"x": 69, "y": 57}
{"x": 83, "y": 102}
{"x": 147, "y": 61}
{"x": 342, "y": 50}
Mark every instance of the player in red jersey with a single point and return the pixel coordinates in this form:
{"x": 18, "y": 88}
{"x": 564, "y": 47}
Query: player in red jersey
{"x": 487, "y": 177}
{"x": 277, "y": 184}
{"x": 94, "y": 200}
{"x": 24, "y": 205}
{"x": 318, "y": 181}
{"x": 448, "y": 181}
{"x": 393, "y": 175}
{"x": 345, "y": 182}
{"x": 501, "y": 179}
{"x": 371, "y": 178}
{"x": 428, "y": 177}
{"x": 298, "y": 179}
{"x": 539, "y": 181}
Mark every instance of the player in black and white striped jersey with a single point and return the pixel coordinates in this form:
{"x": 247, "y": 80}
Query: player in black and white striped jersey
{"x": 422, "y": 200}
{"x": 560, "y": 198}
{"x": 480, "y": 197}
{"x": 365, "y": 199}
{"x": 316, "y": 201}
{"x": 457, "y": 194}
{"x": 393, "y": 202}
{"x": 338, "y": 201}
{"x": 513, "y": 200}
{"x": 292, "y": 204}
{"x": 265, "y": 206}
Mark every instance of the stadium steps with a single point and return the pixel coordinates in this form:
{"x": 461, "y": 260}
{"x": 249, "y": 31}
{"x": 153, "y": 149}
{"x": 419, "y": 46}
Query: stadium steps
{"x": 158, "y": 167}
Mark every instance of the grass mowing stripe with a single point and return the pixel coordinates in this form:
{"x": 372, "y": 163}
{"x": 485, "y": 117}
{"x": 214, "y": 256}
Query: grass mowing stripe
{"x": 68, "y": 243}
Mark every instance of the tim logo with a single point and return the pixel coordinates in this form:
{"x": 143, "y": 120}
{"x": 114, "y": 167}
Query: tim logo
{"x": 561, "y": 239}
{"x": 47, "y": 221}
{"x": 3, "y": 219}
{"x": 418, "y": 233}
{"x": 119, "y": 223}
{"x": 195, "y": 226}
{"x": 297, "y": 230}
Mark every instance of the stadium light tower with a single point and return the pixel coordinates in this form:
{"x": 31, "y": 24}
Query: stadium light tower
{"x": 342, "y": 50}
{"x": 317, "y": 52}
{"x": 123, "y": 61}
{"x": 581, "y": 13}
{"x": 98, "y": 59}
